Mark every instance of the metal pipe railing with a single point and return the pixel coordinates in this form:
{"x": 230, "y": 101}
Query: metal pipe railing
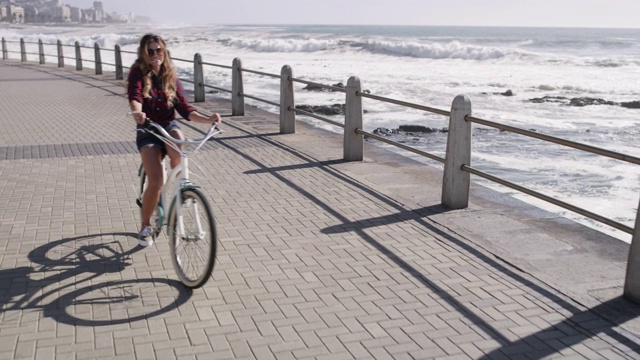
{"x": 556, "y": 140}
{"x": 562, "y": 204}
{"x": 400, "y": 146}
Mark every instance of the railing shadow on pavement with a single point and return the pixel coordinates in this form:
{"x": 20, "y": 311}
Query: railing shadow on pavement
{"x": 71, "y": 268}
{"x": 538, "y": 346}
{"x": 591, "y": 322}
{"x": 601, "y": 319}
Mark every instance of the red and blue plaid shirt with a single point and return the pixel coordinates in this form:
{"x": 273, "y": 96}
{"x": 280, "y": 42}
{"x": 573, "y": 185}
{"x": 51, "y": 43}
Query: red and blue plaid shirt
{"x": 157, "y": 107}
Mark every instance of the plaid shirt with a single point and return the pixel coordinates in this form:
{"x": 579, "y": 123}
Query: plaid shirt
{"x": 157, "y": 107}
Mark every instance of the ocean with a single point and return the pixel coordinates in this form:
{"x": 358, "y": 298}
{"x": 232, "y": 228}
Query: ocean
{"x": 542, "y": 69}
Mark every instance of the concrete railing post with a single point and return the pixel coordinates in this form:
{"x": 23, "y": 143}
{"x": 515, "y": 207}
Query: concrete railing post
{"x": 198, "y": 78}
{"x": 5, "y": 51}
{"x": 119, "y": 72}
{"x": 353, "y": 142}
{"x": 287, "y": 103}
{"x": 456, "y": 182}
{"x": 41, "y": 51}
{"x": 98, "y": 58}
{"x": 60, "y": 54}
{"x": 237, "y": 89}
{"x": 78, "y": 57}
{"x": 632, "y": 279}
{"x": 23, "y": 50}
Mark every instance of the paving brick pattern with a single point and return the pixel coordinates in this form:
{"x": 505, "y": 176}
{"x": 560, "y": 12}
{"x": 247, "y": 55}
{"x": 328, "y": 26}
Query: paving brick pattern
{"x": 312, "y": 264}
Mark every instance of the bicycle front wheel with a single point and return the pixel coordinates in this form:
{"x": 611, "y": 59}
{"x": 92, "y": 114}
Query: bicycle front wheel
{"x": 192, "y": 238}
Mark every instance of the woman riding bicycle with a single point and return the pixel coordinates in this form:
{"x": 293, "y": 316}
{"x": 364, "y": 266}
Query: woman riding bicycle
{"x": 155, "y": 92}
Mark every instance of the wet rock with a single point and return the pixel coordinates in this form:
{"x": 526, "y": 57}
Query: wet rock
{"x": 552, "y": 99}
{"x": 409, "y": 129}
{"x": 335, "y": 109}
{"x": 311, "y": 87}
{"x": 631, "y": 104}
{"x": 384, "y": 131}
{"x": 340, "y": 85}
{"x": 586, "y": 101}
{"x": 506, "y": 93}
{"x": 417, "y": 129}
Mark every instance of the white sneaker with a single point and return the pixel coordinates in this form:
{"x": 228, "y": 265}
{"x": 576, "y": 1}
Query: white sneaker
{"x": 145, "y": 237}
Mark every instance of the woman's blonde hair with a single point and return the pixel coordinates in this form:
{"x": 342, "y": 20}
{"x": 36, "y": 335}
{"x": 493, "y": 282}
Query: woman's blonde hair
{"x": 166, "y": 75}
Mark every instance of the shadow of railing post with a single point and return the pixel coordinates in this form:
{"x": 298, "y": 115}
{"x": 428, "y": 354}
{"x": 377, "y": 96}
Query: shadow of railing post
{"x": 98, "y": 58}
{"x": 41, "y": 51}
{"x": 237, "y": 89}
{"x": 353, "y": 141}
{"x": 5, "y": 52}
{"x": 287, "y": 102}
{"x": 632, "y": 278}
{"x": 456, "y": 182}
{"x": 198, "y": 78}
{"x": 60, "y": 54}
{"x": 119, "y": 70}
{"x": 78, "y": 56}
{"x": 23, "y": 50}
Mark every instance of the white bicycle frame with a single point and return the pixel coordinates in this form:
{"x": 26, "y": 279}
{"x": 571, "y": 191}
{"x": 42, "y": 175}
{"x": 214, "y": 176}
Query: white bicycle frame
{"x": 181, "y": 169}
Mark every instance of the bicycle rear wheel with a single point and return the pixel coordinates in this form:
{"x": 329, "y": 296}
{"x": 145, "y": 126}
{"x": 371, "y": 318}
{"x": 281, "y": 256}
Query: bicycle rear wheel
{"x": 193, "y": 249}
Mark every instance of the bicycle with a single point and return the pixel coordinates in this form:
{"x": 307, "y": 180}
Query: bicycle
{"x": 190, "y": 225}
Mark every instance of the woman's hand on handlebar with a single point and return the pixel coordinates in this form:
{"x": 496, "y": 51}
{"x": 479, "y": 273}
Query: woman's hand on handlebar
{"x": 215, "y": 119}
{"x": 139, "y": 117}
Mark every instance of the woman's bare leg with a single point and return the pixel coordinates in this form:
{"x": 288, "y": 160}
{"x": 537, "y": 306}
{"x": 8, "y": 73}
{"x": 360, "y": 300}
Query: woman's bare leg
{"x": 174, "y": 155}
{"x": 152, "y": 163}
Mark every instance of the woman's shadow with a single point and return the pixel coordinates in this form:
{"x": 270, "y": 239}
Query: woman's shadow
{"x": 67, "y": 264}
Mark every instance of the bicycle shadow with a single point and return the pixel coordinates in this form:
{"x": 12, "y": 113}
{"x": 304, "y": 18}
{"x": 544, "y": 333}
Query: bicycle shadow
{"x": 75, "y": 269}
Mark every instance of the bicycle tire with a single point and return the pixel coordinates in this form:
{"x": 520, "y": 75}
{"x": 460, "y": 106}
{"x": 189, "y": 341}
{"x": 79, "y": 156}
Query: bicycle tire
{"x": 185, "y": 269}
{"x": 154, "y": 216}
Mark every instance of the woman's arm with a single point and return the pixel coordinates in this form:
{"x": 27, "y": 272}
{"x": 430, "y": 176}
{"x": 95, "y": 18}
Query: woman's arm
{"x": 134, "y": 92}
{"x": 136, "y": 111}
{"x": 199, "y": 118}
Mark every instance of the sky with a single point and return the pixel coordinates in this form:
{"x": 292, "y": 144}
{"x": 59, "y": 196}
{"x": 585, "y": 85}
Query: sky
{"x": 536, "y": 13}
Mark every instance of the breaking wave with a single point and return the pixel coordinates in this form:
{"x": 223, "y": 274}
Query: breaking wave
{"x": 450, "y": 50}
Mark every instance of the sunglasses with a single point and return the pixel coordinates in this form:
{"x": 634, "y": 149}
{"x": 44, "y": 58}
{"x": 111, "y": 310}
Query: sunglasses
{"x": 158, "y": 51}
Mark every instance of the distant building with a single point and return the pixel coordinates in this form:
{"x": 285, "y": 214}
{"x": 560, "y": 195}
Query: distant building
{"x": 55, "y": 11}
{"x": 76, "y": 14}
{"x": 13, "y": 13}
{"x": 30, "y": 14}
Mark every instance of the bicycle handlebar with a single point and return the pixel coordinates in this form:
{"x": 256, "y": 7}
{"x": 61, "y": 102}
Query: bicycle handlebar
{"x": 214, "y": 130}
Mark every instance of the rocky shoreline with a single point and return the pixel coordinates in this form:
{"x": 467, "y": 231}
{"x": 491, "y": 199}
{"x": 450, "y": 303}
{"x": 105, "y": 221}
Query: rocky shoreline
{"x": 579, "y": 101}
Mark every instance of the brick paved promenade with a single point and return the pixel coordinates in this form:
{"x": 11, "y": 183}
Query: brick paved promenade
{"x": 318, "y": 259}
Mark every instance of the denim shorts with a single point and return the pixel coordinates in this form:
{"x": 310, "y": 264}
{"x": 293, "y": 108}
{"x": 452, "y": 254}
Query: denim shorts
{"x": 145, "y": 138}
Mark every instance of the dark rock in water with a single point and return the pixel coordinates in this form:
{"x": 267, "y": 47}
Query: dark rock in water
{"x": 419, "y": 129}
{"x": 415, "y": 128}
{"x": 409, "y": 129}
{"x": 553, "y": 99}
{"x": 384, "y": 131}
{"x": 631, "y": 104}
{"x": 335, "y": 109}
{"x": 311, "y": 87}
{"x": 585, "y": 101}
{"x": 340, "y": 85}
{"x": 506, "y": 93}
